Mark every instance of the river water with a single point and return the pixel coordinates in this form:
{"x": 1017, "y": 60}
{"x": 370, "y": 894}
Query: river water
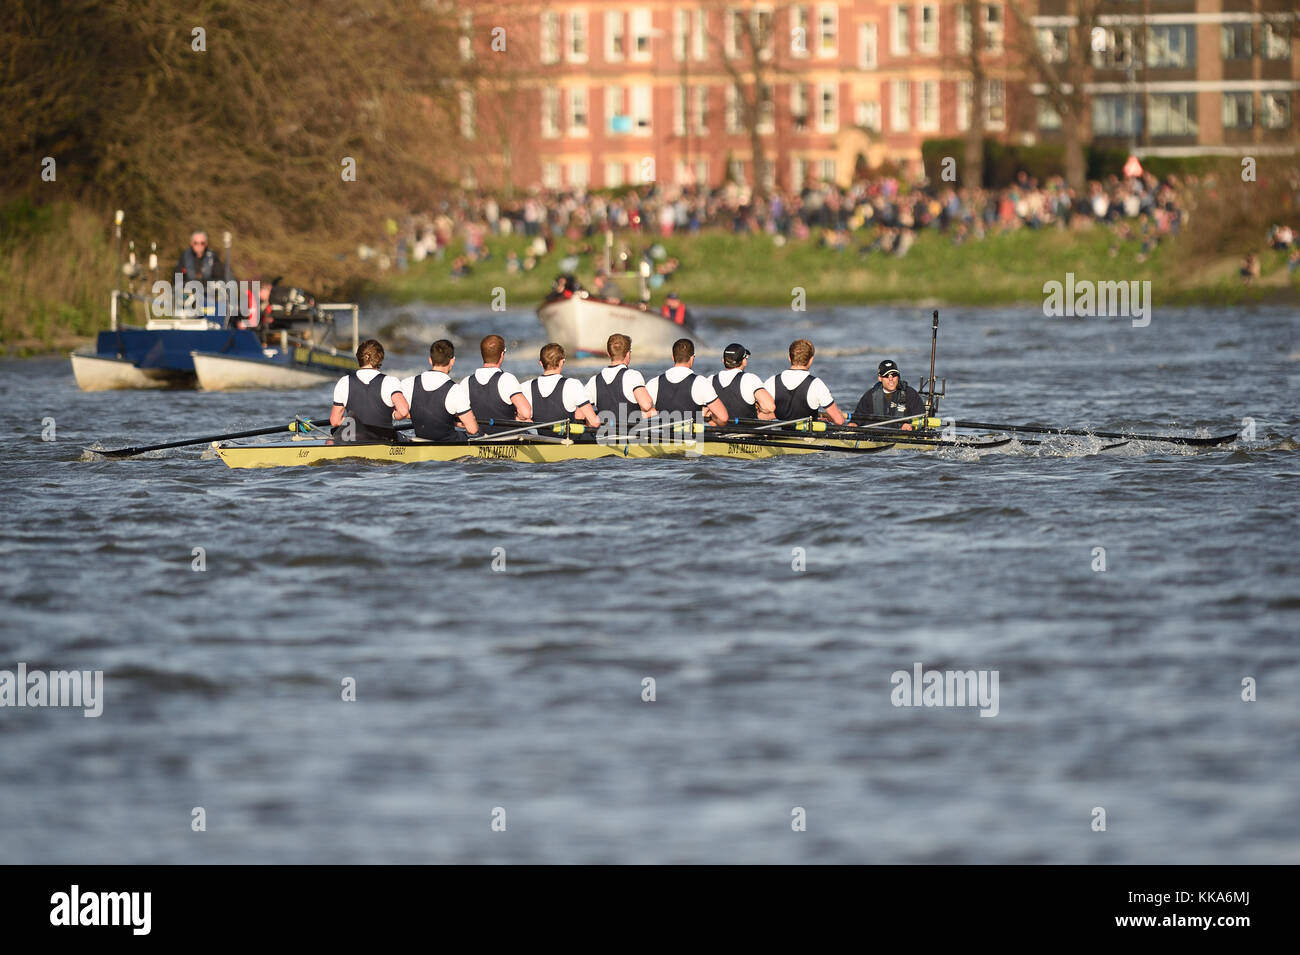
{"x": 499, "y": 621}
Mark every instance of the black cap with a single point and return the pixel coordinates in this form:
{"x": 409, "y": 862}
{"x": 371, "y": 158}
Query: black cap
{"x": 885, "y": 367}
{"x": 734, "y": 354}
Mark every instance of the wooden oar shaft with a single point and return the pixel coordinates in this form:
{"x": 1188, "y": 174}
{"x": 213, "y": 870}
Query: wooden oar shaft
{"x": 130, "y": 452}
{"x": 1036, "y": 429}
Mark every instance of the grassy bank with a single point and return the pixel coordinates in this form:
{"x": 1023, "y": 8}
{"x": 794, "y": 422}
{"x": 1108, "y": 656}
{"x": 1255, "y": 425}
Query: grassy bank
{"x": 718, "y": 268}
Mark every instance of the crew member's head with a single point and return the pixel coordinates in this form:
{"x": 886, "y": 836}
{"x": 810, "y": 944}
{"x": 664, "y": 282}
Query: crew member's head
{"x": 492, "y": 348}
{"x": 618, "y": 347}
{"x": 552, "y": 358}
{"x": 735, "y": 355}
{"x": 887, "y": 372}
{"x": 683, "y": 351}
{"x": 801, "y": 353}
{"x": 442, "y": 355}
{"x": 672, "y": 297}
{"x": 199, "y": 242}
{"x": 370, "y": 354}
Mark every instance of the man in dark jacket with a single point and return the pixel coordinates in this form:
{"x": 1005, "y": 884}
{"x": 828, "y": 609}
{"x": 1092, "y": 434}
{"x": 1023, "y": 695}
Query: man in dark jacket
{"x": 890, "y": 397}
{"x": 199, "y": 263}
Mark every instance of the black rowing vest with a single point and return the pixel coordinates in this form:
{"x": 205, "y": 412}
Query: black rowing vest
{"x": 429, "y": 412}
{"x": 792, "y": 403}
{"x": 372, "y": 418}
{"x": 736, "y": 406}
{"x": 676, "y": 396}
{"x": 485, "y": 400}
{"x": 551, "y": 407}
{"x": 609, "y": 395}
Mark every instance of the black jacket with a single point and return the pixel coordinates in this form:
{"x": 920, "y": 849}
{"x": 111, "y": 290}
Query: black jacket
{"x": 905, "y": 401}
{"x": 201, "y": 268}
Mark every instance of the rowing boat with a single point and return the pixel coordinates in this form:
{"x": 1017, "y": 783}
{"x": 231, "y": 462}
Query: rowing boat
{"x": 740, "y": 447}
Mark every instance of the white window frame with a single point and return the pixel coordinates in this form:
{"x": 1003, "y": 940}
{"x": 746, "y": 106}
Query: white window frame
{"x": 1230, "y": 111}
{"x": 995, "y": 85}
{"x": 965, "y": 92}
{"x": 828, "y": 169}
{"x": 1048, "y": 117}
{"x": 615, "y": 174}
{"x": 930, "y": 45}
{"x": 550, "y": 112}
{"x": 927, "y": 107}
{"x": 768, "y": 42}
{"x": 701, "y": 109}
{"x": 766, "y": 109}
{"x": 900, "y": 106}
{"x": 467, "y": 117}
{"x": 900, "y": 29}
{"x": 681, "y": 97}
{"x": 994, "y": 27}
{"x": 579, "y": 107}
{"x": 824, "y": 51}
{"x": 1271, "y": 117}
{"x": 681, "y": 33}
{"x": 579, "y": 173}
{"x": 870, "y": 118}
{"x": 699, "y": 30}
{"x": 701, "y": 172}
{"x": 615, "y": 29}
{"x": 833, "y": 88}
{"x": 799, "y": 106}
{"x": 640, "y": 27}
{"x": 615, "y": 105}
{"x": 868, "y": 46}
{"x": 550, "y": 42}
{"x": 730, "y": 18}
{"x": 1175, "y": 122}
{"x": 551, "y": 175}
{"x": 799, "y": 20}
{"x": 731, "y": 99}
{"x": 466, "y": 38}
{"x": 576, "y": 36}
{"x": 736, "y": 171}
{"x": 642, "y": 109}
{"x": 1274, "y": 46}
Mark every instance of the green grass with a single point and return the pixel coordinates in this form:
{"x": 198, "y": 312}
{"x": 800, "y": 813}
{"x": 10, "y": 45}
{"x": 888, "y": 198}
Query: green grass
{"x": 718, "y": 268}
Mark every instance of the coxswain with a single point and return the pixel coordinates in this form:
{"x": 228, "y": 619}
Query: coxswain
{"x": 619, "y": 388}
{"x": 437, "y": 403}
{"x": 495, "y": 395}
{"x": 368, "y": 399}
{"x": 554, "y": 395}
{"x": 890, "y": 397}
{"x": 679, "y": 390}
{"x": 797, "y": 392}
{"x": 742, "y": 392}
{"x": 675, "y": 309}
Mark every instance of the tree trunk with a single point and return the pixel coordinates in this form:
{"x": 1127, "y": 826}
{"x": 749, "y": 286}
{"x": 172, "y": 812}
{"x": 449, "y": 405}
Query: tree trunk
{"x": 1076, "y": 170}
{"x": 973, "y": 161}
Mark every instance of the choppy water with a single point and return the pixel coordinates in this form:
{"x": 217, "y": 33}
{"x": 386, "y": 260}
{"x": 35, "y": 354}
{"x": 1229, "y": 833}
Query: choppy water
{"x": 522, "y": 689}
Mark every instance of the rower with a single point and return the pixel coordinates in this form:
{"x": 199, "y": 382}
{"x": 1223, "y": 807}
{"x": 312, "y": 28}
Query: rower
{"x": 740, "y": 391}
{"x": 890, "y": 397}
{"x": 438, "y": 403}
{"x": 797, "y": 392}
{"x": 554, "y": 395}
{"x": 496, "y": 395}
{"x": 369, "y": 398}
{"x": 616, "y": 389}
{"x": 679, "y": 390}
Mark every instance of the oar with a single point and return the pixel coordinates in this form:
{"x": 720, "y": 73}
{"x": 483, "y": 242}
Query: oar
{"x": 527, "y": 427}
{"x": 131, "y": 452}
{"x": 810, "y": 446}
{"x": 1168, "y": 438}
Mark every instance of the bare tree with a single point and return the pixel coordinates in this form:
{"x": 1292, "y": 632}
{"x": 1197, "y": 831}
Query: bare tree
{"x": 973, "y": 167}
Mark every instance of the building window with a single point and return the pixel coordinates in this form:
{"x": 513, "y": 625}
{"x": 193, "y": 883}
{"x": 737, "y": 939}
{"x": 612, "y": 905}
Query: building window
{"x": 734, "y": 33}
{"x": 681, "y": 29}
{"x": 995, "y": 104}
{"x": 551, "y": 175}
{"x": 1048, "y": 118}
{"x": 732, "y": 109}
{"x": 1276, "y": 113}
{"x": 867, "y": 115}
{"x": 550, "y": 112}
{"x": 867, "y": 52}
{"x": 578, "y": 111}
{"x": 767, "y": 173}
{"x": 579, "y": 174}
{"x": 1275, "y": 44}
{"x": 577, "y": 49}
{"x": 965, "y": 90}
{"x": 1238, "y": 110}
{"x": 927, "y": 40}
{"x": 736, "y": 171}
{"x": 963, "y": 28}
{"x": 993, "y": 27}
{"x": 1171, "y": 47}
{"x": 682, "y": 172}
{"x": 616, "y": 117}
{"x": 900, "y": 105}
{"x": 1236, "y": 40}
{"x": 1117, "y": 51}
{"x": 799, "y": 31}
{"x": 615, "y": 41}
{"x": 698, "y": 49}
{"x": 828, "y": 170}
{"x": 642, "y": 116}
{"x": 466, "y": 114}
{"x": 1113, "y": 115}
{"x": 827, "y": 30}
{"x": 701, "y": 109}
{"x": 1172, "y": 114}
{"x": 927, "y": 120}
{"x": 898, "y": 17}
{"x": 766, "y": 110}
{"x": 1053, "y": 43}
{"x": 680, "y": 99}
{"x": 799, "y": 106}
{"x": 799, "y": 172}
{"x": 613, "y": 175}
{"x": 466, "y": 36}
{"x": 828, "y": 113}
{"x": 641, "y": 34}
{"x": 702, "y": 172}
{"x": 550, "y": 37}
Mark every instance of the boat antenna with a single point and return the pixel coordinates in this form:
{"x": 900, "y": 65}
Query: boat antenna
{"x": 931, "y": 400}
